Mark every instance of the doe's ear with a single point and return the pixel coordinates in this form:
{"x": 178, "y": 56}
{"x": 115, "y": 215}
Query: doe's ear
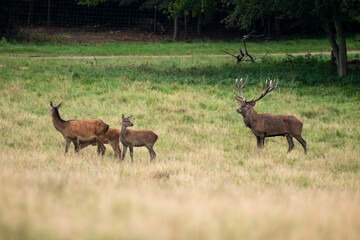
{"x": 58, "y": 106}
{"x": 51, "y": 104}
{"x": 130, "y": 117}
{"x": 122, "y": 115}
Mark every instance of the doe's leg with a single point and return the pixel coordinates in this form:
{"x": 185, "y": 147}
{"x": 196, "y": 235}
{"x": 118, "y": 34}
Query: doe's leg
{"x": 132, "y": 153}
{"x": 67, "y": 146}
{"x": 77, "y": 147}
{"x": 124, "y": 152}
{"x": 151, "y": 152}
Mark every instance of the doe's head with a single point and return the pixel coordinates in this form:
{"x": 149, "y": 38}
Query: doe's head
{"x": 54, "y": 109}
{"x": 126, "y": 121}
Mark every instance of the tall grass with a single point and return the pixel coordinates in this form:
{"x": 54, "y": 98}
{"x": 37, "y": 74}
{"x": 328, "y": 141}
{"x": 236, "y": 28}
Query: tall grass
{"x": 209, "y": 180}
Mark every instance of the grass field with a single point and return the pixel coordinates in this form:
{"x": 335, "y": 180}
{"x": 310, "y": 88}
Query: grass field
{"x": 209, "y": 180}
{"x": 199, "y": 47}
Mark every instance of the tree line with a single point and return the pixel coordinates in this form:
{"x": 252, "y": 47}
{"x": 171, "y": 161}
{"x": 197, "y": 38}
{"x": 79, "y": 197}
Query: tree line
{"x": 267, "y": 17}
{"x": 332, "y": 16}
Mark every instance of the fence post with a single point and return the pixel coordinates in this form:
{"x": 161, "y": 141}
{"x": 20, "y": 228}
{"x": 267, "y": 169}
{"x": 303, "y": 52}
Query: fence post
{"x": 48, "y": 14}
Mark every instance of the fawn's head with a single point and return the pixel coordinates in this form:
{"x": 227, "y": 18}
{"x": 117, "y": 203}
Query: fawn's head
{"x": 55, "y": 110}
{"x": 247, "y": 105}
{"x": 126, "y": 121}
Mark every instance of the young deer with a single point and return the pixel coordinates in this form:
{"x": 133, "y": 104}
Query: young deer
{"x": 136, "y": 138}
{"x": 78, "y": 130}
{"x": 112, "y": 137}
{"x": 267, "y": 125}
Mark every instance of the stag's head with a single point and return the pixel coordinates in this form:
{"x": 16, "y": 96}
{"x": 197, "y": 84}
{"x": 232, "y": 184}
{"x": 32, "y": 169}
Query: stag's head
{"x": 126, "y": 121}
{"x": 247, "y": 105}
{"x": 54, "y": 109}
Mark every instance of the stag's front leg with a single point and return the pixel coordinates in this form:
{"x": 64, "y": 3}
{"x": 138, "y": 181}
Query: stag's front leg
{"x": 260, "y": 142}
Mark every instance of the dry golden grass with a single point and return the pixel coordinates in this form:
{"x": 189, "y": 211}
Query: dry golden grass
{"x": 209, "y": 180}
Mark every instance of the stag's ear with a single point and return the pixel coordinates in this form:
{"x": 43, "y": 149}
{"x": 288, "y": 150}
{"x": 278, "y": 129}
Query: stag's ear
{"x": 252, "y": 103}
{"x": 58, "y": 106}
{"x": 130, "y": 117}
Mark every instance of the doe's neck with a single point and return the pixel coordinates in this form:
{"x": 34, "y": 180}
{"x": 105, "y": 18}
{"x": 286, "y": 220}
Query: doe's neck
{"x": 59, "y": 123}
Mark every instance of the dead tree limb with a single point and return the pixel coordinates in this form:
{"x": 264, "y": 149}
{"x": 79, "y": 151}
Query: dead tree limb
{"x": 245, "y": 55}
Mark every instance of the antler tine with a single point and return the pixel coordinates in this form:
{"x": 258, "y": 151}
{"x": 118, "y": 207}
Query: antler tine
{"x": 268, "y": 88}
{"x": 240, "y": 85}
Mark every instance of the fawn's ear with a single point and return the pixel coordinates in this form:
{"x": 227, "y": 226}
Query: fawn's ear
{"x": 58, "y": 106}
{"x": 51, "y": 104}
{"x": 122, "y": 116}
{"x": 130, "y": 117}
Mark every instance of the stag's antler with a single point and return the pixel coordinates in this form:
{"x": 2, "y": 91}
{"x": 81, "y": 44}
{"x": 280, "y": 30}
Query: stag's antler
{"x": 268, "y": 88}
{"x": 240, "y": 85}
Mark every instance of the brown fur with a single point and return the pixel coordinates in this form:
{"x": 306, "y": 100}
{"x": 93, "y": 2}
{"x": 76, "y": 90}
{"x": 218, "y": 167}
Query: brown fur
{"x": 268, "y": 125}
{"x": 136, "y": 138}
{"x": 78, "y": 130}
{"x": 112, "y": 137}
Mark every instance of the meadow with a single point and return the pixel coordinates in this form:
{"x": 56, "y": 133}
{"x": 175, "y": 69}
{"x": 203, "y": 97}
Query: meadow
{"x": 168, "y": 47}
{"x": 209, "y": 180}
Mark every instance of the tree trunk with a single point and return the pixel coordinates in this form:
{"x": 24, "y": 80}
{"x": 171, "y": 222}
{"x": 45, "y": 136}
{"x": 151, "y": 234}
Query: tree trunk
{"x": 277, "y": 26}
{"x": 185, "y": 26}
{"x": 338, "y": 48}
{"x": 198, "y": 26}
{"x": 269, "y": 26}
{"x": 176, "y": 29}
{"x": 30, "y": 12}
{"x": 342, "y": 59}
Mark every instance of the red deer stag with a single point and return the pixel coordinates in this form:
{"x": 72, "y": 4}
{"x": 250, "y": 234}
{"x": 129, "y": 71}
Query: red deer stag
{"x": 112, "y": 137}
{"x": 79, "y": 130}
{"x": 268, "y": 125}
{"x": 136, "y": 138}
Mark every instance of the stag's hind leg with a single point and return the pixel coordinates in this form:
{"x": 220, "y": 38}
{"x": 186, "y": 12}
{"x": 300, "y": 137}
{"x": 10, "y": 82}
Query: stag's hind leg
{"x": 302, "y": 142}
{"x": 290, "y": 142}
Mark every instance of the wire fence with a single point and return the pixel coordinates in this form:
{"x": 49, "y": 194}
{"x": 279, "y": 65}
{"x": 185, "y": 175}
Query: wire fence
{"x": 67, "y": 13}
{"x": 110, "y": 15}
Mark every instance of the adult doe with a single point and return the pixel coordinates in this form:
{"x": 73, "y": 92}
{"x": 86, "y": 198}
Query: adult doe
{"x": 78, "y": 130}
{"x": 268, "y": 125}
{"x": 136, "y": 138}
{"x": 112, "y": 137}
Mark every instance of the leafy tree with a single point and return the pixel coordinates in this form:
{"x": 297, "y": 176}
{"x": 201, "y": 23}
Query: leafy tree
{"x": 332, "y": 15}
{"x": 175, "y": 9}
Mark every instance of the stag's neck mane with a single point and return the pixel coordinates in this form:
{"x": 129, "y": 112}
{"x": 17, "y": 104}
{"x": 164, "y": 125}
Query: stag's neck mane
{"x": 250, "y": 118}
{"x": 59, "y": 123}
